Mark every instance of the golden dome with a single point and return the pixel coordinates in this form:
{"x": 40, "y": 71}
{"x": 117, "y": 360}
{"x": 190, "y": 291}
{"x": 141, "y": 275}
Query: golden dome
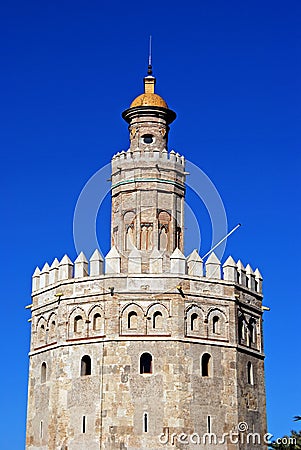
{"x": 149, "y": 99}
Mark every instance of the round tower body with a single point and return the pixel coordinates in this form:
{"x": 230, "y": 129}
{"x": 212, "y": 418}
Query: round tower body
{"x": 157, "y": 350}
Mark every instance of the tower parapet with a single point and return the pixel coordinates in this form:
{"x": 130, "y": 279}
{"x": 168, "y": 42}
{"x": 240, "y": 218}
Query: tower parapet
{"x": 192, "y": 265}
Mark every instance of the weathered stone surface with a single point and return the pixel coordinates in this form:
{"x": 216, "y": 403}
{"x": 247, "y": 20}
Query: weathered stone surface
{"x": 149, "y": 347}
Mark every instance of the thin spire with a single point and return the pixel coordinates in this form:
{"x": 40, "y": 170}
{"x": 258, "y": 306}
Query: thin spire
{"x": 150, "y": 67}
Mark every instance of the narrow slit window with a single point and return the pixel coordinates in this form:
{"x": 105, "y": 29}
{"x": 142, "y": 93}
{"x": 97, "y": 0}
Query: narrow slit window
{"x": 85, "y": 366}
{"x": 43, "y": 372}
{"x": 250, "y": 373}
{"x": 84, "y": 424}
{"x": 146, "y": 363}
{"x": 145, "y": 422}
{"x": 41, "y": 429}
{"x": 251, "y": 332}
{"x": 208, "y": 424}
{"x": 241, "y": 329}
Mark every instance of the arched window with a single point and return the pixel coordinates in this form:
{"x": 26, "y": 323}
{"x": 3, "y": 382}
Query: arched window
{"x": 206, "y": 365}
{"x": 194, "y": 322}
{"x": 146, "y": 363}
{"x": 52, "y": 330}
{"x": 43, "y": 372}
{"x": 241, "y": 329}
{"x": 216, "y": 325}
{"x": 42, "y": 332}
{"x": 132, "y": 320}
{"x": 158, "y": 320}
{"x": 96, "y": 322}
{"x": 78, "y": 324}
{"x": 250, "y": 373}
{"x": 85, "y": 366}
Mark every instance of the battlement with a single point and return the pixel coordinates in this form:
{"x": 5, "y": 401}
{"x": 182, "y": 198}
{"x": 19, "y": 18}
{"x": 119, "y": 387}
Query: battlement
{"x": 193, "y": 265}
{"x": 149, "y": 154}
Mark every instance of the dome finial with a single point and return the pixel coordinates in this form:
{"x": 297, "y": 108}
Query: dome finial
{"x": 150, "y": 67}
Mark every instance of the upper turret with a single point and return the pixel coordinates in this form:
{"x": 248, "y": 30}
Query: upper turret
{"x": 148, "y": 117}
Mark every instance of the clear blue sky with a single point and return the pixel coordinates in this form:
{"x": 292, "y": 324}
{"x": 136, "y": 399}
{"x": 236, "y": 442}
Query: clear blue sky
{"x": 231, "y": 71}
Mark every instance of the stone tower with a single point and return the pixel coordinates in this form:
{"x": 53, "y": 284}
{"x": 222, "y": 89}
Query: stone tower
{"x": 151, "y": 349}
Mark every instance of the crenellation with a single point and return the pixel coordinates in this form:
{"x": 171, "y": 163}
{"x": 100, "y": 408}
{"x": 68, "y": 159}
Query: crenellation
{"x": 258, "y": 279}
{"x": 250, "y": 277}
{"x": 213, "y": 266}
{"x": 36, "y": 279}
{"x": 113, "y": 261}
{"x": 172, "y": 156}
{"x": 65, "y": 268}
{"x": 96, "y": 264}
{"x": 54, "y": 272}
{"x": 195, "y": 264}
{"x": 177, "y": 262}
{"x": 134, "y": 261}
{"x": 81, "y": 266}
{"x": 241, "y": 272}
{"x": 156, "y": 262}
{"x": 164, "y": 154}
{"x": 230, "y": 270}
{"x": 44, "y": 277}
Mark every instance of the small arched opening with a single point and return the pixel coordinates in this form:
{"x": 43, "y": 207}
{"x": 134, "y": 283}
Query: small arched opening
{"x": 96, "y": 322}
{"x": 158, "y": 320}
{"x": 78, "y": 324}
{"x": 206, "y": 365}
{"x": 216, "y": 325}
{"x": 85, "y": 366}
{"x": 194, "y": 322}
{"x": 132, "y": 320}
{"x": 146, "y": 363}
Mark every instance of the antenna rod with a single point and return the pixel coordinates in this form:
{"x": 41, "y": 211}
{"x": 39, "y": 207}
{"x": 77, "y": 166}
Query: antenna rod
{"x": 150, "y": 68}
{"x": 222, "y": 240}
